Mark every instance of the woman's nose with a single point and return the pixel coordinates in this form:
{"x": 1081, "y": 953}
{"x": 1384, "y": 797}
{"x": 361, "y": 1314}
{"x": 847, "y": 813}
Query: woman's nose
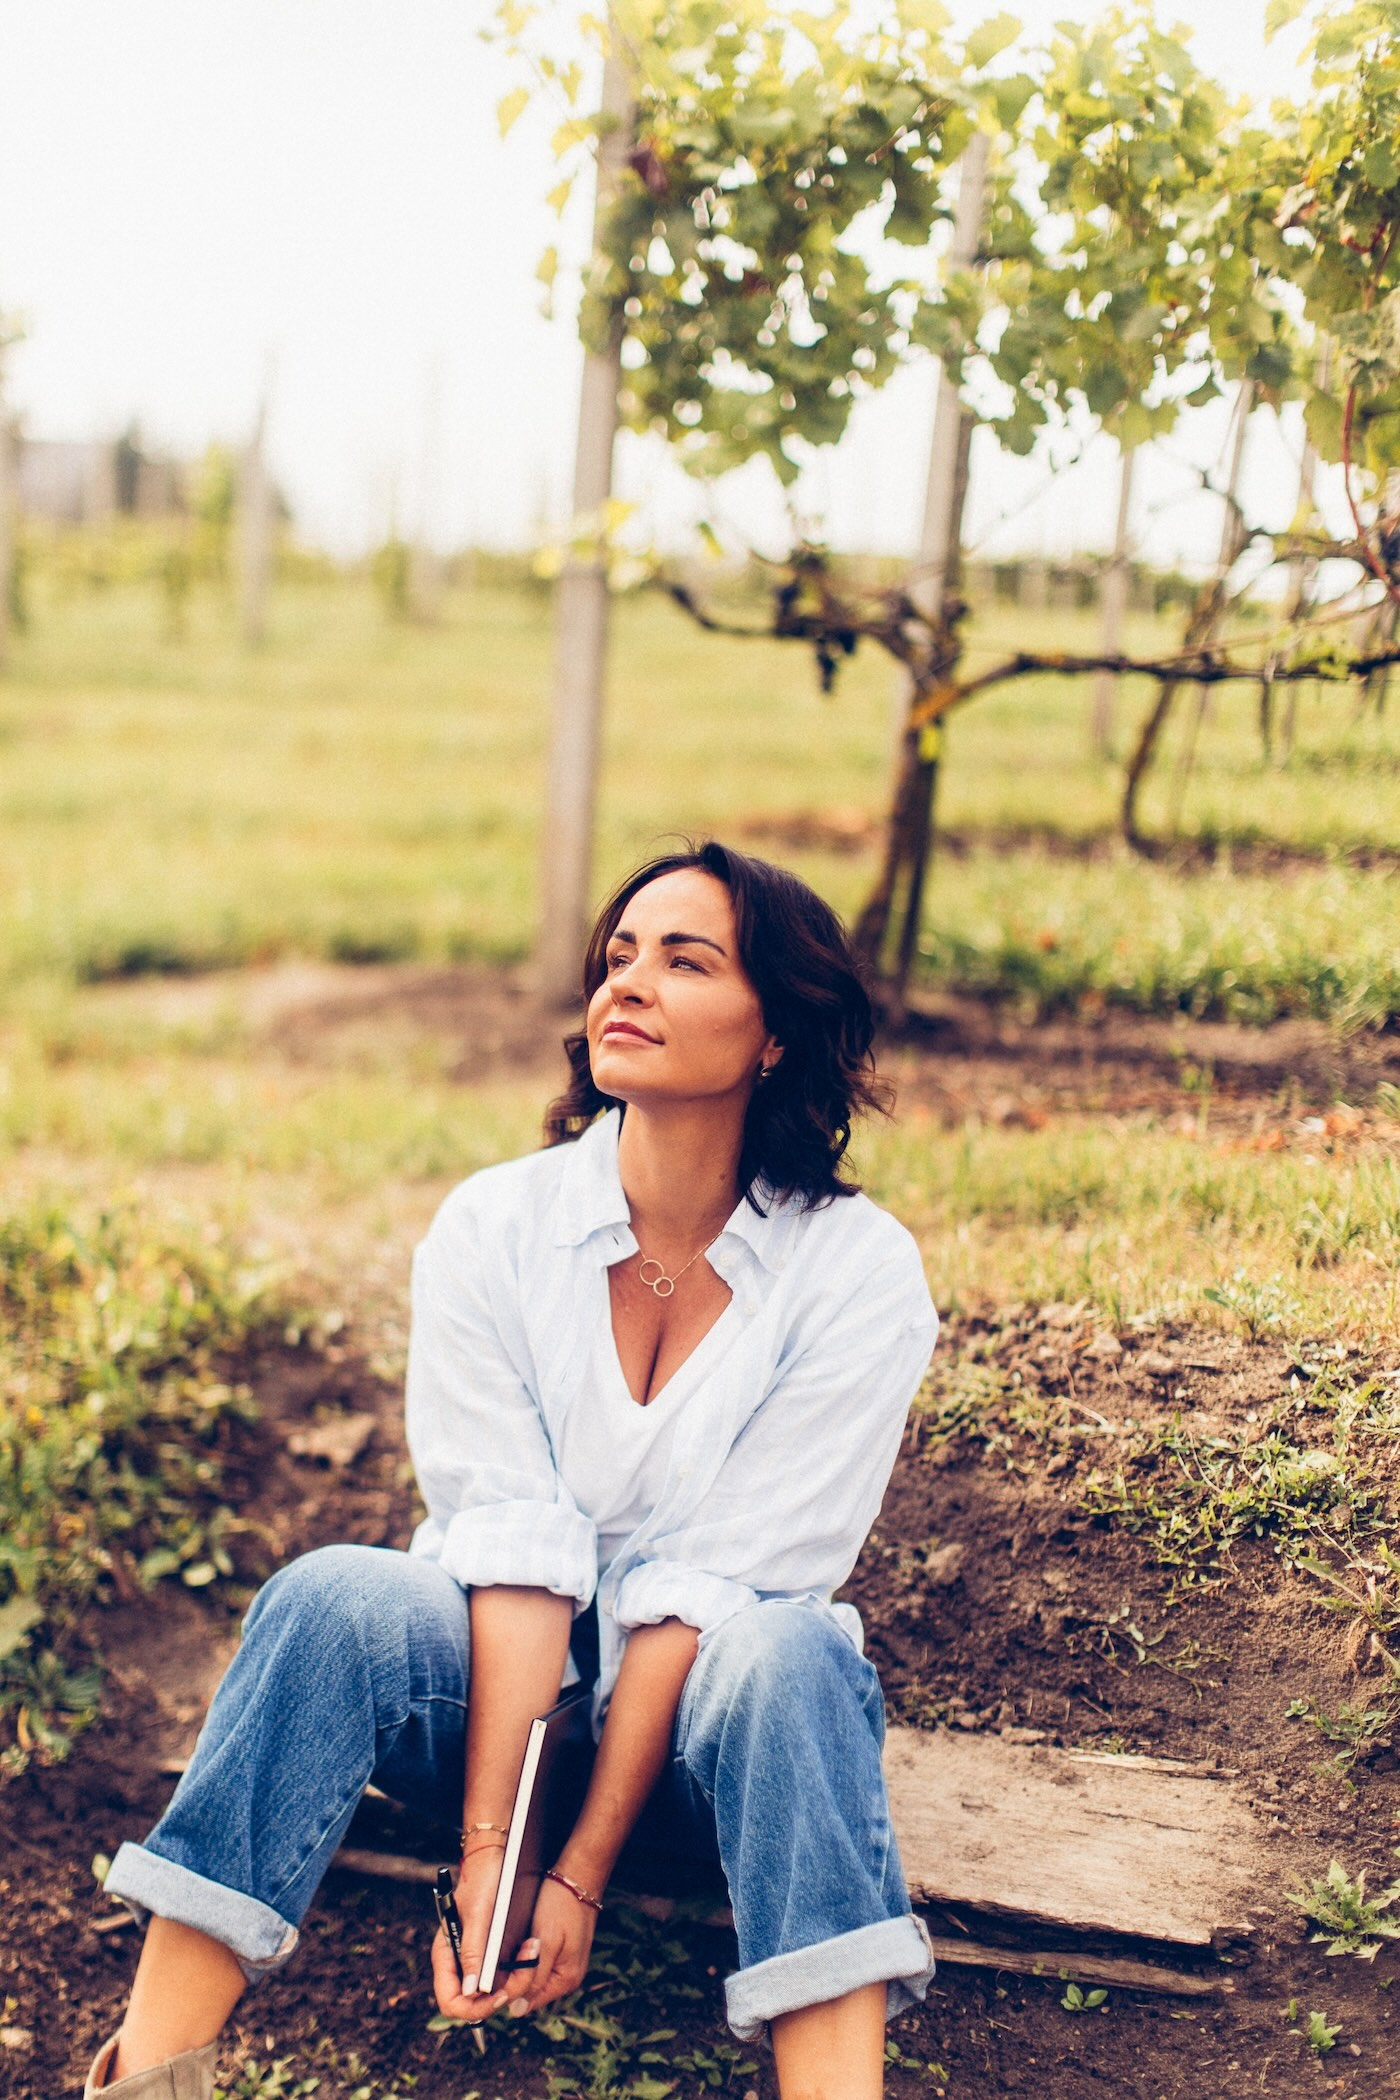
{"x": 632, "y": 987}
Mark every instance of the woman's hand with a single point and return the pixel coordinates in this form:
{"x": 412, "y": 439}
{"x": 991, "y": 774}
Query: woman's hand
{"x": 562, "y": 1935}
{"x": 477, "y": 1882}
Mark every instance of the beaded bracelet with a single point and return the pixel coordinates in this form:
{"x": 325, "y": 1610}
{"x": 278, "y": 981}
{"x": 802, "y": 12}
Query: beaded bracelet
{"x": 553, "y": 1874}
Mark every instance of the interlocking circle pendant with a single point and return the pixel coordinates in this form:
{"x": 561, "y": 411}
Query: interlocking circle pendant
{"x": 662, "y": 1284}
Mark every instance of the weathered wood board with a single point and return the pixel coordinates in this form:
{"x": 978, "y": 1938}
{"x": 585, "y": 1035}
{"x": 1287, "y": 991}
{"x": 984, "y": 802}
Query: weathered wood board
{"x": 1054, "y": 1838}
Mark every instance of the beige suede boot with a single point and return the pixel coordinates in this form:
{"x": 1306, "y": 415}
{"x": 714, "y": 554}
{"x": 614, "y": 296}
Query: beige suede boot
{"x": 186, "y": 2077}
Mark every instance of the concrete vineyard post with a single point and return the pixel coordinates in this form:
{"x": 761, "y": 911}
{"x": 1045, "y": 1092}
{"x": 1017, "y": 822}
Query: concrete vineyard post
{"x": 932, "y": 586}
{"x": 254, "y": 532}
{"x": 1114, "y": 603}
{"x": 943, "y": 499}
{"x": 581, "y": 616}
{"x": 1201, "y": 628}
{"x": 1232, "y": 538}
{"x": 9, "y": 492}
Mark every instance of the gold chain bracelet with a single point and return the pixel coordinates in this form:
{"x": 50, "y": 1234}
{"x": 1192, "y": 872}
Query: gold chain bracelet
{"x": 472, "y": 1829}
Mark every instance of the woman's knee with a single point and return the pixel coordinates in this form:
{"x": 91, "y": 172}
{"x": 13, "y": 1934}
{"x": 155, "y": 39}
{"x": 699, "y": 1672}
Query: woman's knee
{"x": 777, "y": 1657}
{"x": 335, "y": 1596}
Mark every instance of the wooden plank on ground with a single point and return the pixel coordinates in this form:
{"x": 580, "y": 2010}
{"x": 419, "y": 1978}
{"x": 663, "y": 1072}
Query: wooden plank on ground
{"x": 1054, "y": 1838}
{"x": 1079, "y": 1968}
{"x": 1051, "y": 1963}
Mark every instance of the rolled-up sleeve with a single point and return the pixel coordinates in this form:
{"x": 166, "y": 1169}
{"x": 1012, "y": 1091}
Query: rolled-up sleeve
{"x": 498, "y": 1511}
{"x": 794, "y": 1500}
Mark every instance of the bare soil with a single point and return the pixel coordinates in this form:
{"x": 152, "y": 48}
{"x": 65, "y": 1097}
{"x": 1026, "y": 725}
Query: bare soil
{"x": 991, "y": 1600}
{"x": 960, "y": 1055}
{"x": 964, "y": 1057}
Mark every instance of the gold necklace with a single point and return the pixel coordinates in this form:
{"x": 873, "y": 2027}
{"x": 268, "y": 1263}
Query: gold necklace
{"x": 662, "y": 1285}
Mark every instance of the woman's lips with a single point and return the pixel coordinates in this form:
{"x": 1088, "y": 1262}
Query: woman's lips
{"x": 637, "y": 1035}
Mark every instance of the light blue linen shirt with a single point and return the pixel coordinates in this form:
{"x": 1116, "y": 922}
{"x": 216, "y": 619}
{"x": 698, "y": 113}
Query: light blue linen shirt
{"x": 791, "y": 1411}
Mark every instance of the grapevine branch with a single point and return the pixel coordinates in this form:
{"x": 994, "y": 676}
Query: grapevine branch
{"x": 807, "y": 605}
{"x": 834, "y": 625}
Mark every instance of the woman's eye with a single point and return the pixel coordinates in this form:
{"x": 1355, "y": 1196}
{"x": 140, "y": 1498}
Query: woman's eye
{"x": 683, "y": 962}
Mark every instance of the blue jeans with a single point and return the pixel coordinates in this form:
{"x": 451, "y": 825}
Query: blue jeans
{"x": 353, "y": 1668}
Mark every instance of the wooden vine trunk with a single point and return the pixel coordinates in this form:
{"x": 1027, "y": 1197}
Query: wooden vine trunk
{"x": 1201, "y": 629}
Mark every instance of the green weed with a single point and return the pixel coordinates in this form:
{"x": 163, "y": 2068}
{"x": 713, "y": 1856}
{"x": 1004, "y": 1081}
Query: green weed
{"x": 1349, "y": 1921}
{"x": 966, "y": 1401}
{"x": 270, "y": 2081}
{"x": 1365, "y": 1591}
{"x": 1261, "y": 1304}
{"x": 116, "y": 1422}
{"x": 1077, "y": 2000}
{"x": 1320, "y": 2034}
{"x": 1353, "y": 1727}
{"x": 1122, "y": 1641}
{"x": 597, "y": 2044}
{"x": 1194, "y": 1497}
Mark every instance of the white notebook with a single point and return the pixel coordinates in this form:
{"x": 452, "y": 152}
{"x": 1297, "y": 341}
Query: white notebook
{"x": 534, "y": 1834}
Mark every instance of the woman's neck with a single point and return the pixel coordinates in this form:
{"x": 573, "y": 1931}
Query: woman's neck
{"x": 679, "y": 1169}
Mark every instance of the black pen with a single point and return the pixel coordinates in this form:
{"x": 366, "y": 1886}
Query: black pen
{"x": 450, "y": 1920}
{"x": 445, "y": 1904}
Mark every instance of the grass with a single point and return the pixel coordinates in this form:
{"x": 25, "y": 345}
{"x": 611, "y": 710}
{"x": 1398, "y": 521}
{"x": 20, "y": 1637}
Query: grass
{"x": 1148, "y": 1221}
{"x": 368, "y": 792}
{"x": 116, "y": 1423}
{"x": 1136, "y": 1212}
{"x": 1053, "y": 936}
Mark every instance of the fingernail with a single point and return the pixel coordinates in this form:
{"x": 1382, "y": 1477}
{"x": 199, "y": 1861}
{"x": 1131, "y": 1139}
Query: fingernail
{"x": 469, "y": 1984}
{"x": 519, "y": 2007}
{"x": 531, "y": 1947}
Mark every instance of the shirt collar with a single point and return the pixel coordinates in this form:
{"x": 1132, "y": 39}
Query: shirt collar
{"x": 592, "y": 1196}
{"x": 770, "y": 1235}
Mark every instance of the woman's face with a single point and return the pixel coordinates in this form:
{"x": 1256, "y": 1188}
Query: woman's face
{"x": 675, "y": 1017}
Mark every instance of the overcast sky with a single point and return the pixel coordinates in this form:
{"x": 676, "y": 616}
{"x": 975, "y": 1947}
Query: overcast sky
{"x": 195, "y": 194}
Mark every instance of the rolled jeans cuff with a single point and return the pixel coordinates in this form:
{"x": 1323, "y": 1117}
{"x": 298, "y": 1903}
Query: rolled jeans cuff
{"x": 893, "y": 1951}
{"x": 258, "y": 1937}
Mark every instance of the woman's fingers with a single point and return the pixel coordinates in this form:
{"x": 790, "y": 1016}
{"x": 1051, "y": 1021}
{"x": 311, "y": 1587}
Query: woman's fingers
{"x": 563, "y": 1963}
{"x": 522, "y": 1986}
{"x": 457, "y": 1996}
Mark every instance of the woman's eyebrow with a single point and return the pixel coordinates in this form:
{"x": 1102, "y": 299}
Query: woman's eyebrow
{"x": 674, "y": 940}
{"x": 688, "y": 940}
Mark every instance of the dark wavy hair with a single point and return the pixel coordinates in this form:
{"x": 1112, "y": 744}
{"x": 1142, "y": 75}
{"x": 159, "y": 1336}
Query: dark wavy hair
{"x": 796, "y": 955}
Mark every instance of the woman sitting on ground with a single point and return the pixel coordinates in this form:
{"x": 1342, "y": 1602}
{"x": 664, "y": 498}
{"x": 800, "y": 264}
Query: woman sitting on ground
{"x": 660, "y": 1368}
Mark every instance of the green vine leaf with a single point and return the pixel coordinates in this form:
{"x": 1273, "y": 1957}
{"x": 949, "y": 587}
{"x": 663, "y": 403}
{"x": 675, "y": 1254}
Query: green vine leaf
{"x": 990, "y": 39}
{"x": 510, "y": 109}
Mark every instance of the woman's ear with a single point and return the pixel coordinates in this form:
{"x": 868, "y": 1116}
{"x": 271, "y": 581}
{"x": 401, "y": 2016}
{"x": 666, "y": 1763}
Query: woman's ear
{"x": 770, "y": 1055}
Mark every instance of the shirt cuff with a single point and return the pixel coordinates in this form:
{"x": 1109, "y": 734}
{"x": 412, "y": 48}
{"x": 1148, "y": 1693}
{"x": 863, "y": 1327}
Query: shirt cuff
{"x": 536, "y": 1545}
{"x": 668, "y": 1589}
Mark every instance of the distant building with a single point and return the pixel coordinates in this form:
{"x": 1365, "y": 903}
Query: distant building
{"x": 67, "y": 481}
